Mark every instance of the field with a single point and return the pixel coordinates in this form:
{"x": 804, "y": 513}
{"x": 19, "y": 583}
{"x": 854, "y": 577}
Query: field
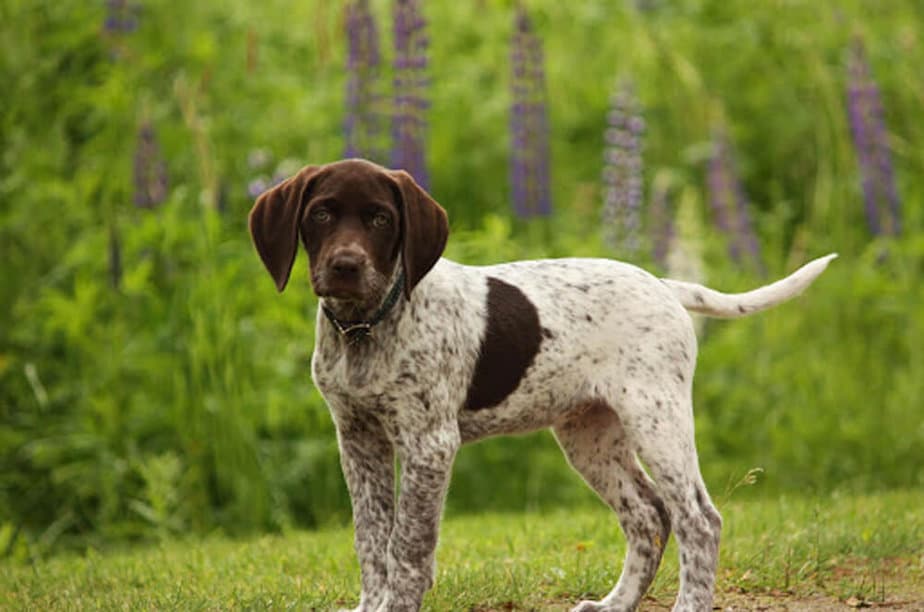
{"x": 161, "y": 442}
{"x": 822, "y": 553}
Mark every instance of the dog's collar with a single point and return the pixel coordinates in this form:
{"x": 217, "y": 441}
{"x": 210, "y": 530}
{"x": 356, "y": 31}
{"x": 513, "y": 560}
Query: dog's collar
{"x": 355, "y": 331}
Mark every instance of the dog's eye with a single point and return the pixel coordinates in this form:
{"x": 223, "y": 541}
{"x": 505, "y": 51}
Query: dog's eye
{"x": 380, "y": 220}
{"x": 320, "y": 215}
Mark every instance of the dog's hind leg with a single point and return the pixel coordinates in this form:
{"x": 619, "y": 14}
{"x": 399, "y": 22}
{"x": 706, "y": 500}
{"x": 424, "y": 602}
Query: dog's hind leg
{"x": 659, "y": 425}
{"x": 594, "y": 441}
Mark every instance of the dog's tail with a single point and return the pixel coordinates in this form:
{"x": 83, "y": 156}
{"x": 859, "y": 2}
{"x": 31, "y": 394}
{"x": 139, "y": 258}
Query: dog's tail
{"x": 709, "y": 302}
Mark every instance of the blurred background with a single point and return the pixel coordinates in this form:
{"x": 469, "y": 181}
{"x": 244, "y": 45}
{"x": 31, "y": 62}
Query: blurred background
{"x": 152, "y": 381}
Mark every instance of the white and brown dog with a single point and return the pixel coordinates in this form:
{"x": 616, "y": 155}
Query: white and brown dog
{"x": 417, "y": 355}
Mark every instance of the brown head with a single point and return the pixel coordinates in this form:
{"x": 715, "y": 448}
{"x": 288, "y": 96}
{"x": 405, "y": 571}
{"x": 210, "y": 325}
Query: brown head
{"x": 358, "y": 222}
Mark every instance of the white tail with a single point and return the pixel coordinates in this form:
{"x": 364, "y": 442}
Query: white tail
{"x": 709, "y": 302}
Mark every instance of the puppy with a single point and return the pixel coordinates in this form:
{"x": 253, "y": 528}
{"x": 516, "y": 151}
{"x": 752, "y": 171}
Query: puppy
{"x": 417, "y": 355}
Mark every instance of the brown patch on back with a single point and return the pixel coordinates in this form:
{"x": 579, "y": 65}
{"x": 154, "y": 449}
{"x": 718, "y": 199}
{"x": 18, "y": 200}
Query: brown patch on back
{"x": 511, "y": 341}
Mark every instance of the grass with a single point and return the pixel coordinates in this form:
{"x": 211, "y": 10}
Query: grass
{"x": 822, "y": 552}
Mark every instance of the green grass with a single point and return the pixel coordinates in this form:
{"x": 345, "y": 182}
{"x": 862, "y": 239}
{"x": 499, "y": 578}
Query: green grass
{"x": 836, "y": 548}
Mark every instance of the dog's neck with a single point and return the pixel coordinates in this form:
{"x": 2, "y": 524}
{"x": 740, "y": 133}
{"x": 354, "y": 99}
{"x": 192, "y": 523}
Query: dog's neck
{"x": 355, "y": 320}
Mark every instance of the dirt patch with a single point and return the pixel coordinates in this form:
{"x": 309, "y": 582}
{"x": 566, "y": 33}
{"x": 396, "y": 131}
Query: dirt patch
{"x": 846, "y": 584}
{"x": 806, "y": 603}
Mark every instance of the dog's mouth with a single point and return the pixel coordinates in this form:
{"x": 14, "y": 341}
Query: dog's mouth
{"x": 355, "y": 293}
{"x": 350, "y": 292}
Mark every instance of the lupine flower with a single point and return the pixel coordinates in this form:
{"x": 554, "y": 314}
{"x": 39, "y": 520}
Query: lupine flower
{"x": 121, "y": 19}
{"x": 622, "y": 171}
{"x": 529, "y": 126}
{"x": 409, "y": 125}
{"x": 258, "y": 162}
{"x": 660, "y": 221}
{"x": 729, "y": 203}
{"x": 256, "y": 187}
{"x": 121, "y": 16}
{"x": 150, "y": 169}
{"x": 363, "y": 124}
{"x": 867, "y": 125}
{"x": 261, "y": 159}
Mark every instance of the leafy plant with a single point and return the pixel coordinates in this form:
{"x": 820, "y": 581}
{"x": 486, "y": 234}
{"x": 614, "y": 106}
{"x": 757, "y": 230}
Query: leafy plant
{"x": 151, "y": 380}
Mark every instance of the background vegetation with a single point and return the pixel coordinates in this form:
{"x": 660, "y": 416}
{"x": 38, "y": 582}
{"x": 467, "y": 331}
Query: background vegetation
{"x": 153, "y": 383}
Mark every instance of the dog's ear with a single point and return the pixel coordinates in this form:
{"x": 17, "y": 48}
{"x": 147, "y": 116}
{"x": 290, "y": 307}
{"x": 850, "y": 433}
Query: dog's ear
{"x": 424, "y": 228}
{"x": 274, "y": 222}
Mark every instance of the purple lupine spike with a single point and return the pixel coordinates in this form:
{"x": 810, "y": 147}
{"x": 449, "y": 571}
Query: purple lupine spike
{"x": 730, "y": 204}
{"x": 720, "y": 200}
{"x": 258, "y": 162}
{"x": 543, "y": 191}
{"x": 529, "y": 127}
{"x": 409, "y": 125}
{"x": 661, "y": 221}
{"x": 121, "y": 16}
{"x": 744, "y": 226}
{"x": 363, "y": 123}
{"x": 150, "y": 170}
{"x": 874, "y": 155}
{"x": 257, "y": 186}
{"x": 622, "y": 171}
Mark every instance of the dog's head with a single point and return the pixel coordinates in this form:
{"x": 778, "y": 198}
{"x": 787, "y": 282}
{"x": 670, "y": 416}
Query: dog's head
{"x": 356, "y": 221}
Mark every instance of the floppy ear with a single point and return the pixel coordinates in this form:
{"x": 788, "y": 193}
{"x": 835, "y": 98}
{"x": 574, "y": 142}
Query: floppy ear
{"x": 274, "y": 221}
{"x": 425, "y": 229}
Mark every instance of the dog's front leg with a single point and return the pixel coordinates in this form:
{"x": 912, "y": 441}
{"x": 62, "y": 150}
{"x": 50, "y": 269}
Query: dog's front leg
{"x": 426, "y": 464}
{"x": 368, "y": 462}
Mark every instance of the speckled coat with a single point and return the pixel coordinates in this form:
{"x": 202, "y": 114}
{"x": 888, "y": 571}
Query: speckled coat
{"x": 600, "y": 351}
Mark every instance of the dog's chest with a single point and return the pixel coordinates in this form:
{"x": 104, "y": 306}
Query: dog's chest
{"x": 360, "y": 376}
{"x": 413, "y": 362}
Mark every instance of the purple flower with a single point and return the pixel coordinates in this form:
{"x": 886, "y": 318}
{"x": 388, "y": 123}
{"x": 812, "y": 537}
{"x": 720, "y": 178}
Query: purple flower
{"x": 529, "y": 126}
{"x": 150, "y": 170}
{"x": 121, "y": 19}
{"x": 622, "y": 171}
{"x": 409, "y": 126}
{"x": 257, "y": 186}
{"x": 363, "y": 123}
{"x": 121, "y": 16}
{"x": 660, "y": 219}
{"x": 874, "y": 156}
{"x": 730, "y": 204}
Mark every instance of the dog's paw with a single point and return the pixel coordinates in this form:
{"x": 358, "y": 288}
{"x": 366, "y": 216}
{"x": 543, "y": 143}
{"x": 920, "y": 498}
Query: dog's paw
{"x": 589, "y": 606}
{"x": 362, "y": 607}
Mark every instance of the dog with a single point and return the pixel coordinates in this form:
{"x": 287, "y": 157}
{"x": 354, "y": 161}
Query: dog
{"x": 416, "y": 355}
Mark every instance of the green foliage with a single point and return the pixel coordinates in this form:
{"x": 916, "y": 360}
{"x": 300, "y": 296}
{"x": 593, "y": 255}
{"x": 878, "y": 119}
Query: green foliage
{"x": 825, "y": 392}
{"x": 175, "y": 396}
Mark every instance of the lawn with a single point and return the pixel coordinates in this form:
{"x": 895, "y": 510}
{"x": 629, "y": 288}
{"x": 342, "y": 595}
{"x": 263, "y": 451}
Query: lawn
{"x": 817, "y": 553}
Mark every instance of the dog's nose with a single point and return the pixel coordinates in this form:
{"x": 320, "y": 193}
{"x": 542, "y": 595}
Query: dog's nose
{"x": 347, "y": 263}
